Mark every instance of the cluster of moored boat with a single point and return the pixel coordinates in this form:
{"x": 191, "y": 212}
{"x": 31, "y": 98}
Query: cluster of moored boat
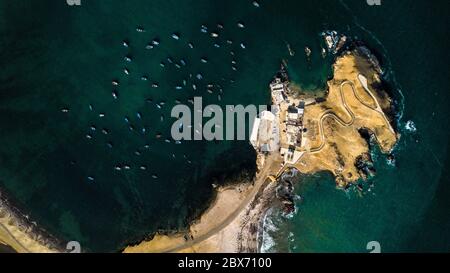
{"x": 193, "y": 82}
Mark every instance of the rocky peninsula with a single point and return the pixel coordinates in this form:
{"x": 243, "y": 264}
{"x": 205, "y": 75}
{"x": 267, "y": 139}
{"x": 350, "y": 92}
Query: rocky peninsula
{"x": 332, "y": 133}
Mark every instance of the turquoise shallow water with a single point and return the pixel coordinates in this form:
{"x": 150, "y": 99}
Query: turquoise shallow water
{"x": 56, "y": 57}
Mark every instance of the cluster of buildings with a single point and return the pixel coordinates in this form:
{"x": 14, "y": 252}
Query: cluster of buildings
{"x": 280, "y": 129}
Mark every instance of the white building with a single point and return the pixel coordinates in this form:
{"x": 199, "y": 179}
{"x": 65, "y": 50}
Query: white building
{"x": 277, "y": 89}
{"x": 265, "y": 132}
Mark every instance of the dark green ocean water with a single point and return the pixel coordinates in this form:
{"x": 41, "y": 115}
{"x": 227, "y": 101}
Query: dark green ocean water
{"x": 58, "y": 57}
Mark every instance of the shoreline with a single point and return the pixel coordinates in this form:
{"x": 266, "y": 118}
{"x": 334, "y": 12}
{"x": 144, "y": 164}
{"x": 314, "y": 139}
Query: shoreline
{"x": 354, "y": 99}
{"x": 20, "y": 233}
{"x": 229, "y": 225}
{"x": 215, "y": 228}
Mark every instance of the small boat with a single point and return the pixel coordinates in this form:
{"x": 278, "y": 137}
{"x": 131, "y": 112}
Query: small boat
{"x": 93, "y": 128}
{"x": 126, "y": 167}
{"x": 230, "y": 42}
{"x": 214, "y": 34}
{"x": 204, "y": 60}
{"x": 117, "y": 168}
{"x": 65, "y": 110}
{"x": 216, "y": 45}
{"x": 177, "y": 66}
{"x": 155, "y": 42}
{"x": 126, "y": 71}
{"x": 204, "y": 29}
{"x": 240, "y": 25}
{"x": 219, "y": 26}
{"x": 144, "y": 78}
{"x": 155, "y": 85}
{"x": 178, "y": 87}
{"x": 169, "y": 60}
{"x": 91, "y": 108}
{"x": 127, "y": 59}
{"x": 114, "y": 94}
{"x": 154, "y": 176}
{"x": 143, "y": 167}
{"x": 125, "y": 43}
{"x": 175, "y": 36}
{"x": 105, "y": 131}
{"x": 140, "y": 29}
{"x": 138, "y": 115}
{"x": 91, "y": 178}
{"x": 101, "y": 115}
{"x": 199, "y": 76}
{"x": 89, "y": 136}
{"x": 149, "y": 46}
{"x": 115, "y": 83}
{"x": 127, "y": 120}
{"x": 242, "y": 46}
{"x": 109, "y": 144}
{"x": 162, "y": 64}
{"x": 256, "y": 4}
{"x": 191, "y": 45}
{"x": 183, "y": 62}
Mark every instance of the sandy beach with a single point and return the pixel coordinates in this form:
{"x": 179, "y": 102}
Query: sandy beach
{"x": 21, "y": 235}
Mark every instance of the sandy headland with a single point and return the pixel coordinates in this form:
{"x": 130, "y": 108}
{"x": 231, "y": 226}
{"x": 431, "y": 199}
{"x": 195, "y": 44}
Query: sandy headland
{"x": 332, "y": 133}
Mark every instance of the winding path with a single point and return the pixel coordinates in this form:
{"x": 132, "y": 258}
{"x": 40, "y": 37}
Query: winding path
{"x": 259, "y": 182}
{"x": 331, "y": 114}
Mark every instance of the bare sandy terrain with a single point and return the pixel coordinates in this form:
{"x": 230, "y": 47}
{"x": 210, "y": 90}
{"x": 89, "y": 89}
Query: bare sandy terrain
{"x": 19, "y": 236}
{"x": 333, "y": 140}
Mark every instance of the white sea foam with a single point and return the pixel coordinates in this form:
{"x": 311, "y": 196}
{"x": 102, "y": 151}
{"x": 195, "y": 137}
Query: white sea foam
{"x": 268, "y": 242}
{"x": 410, "y": 126}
